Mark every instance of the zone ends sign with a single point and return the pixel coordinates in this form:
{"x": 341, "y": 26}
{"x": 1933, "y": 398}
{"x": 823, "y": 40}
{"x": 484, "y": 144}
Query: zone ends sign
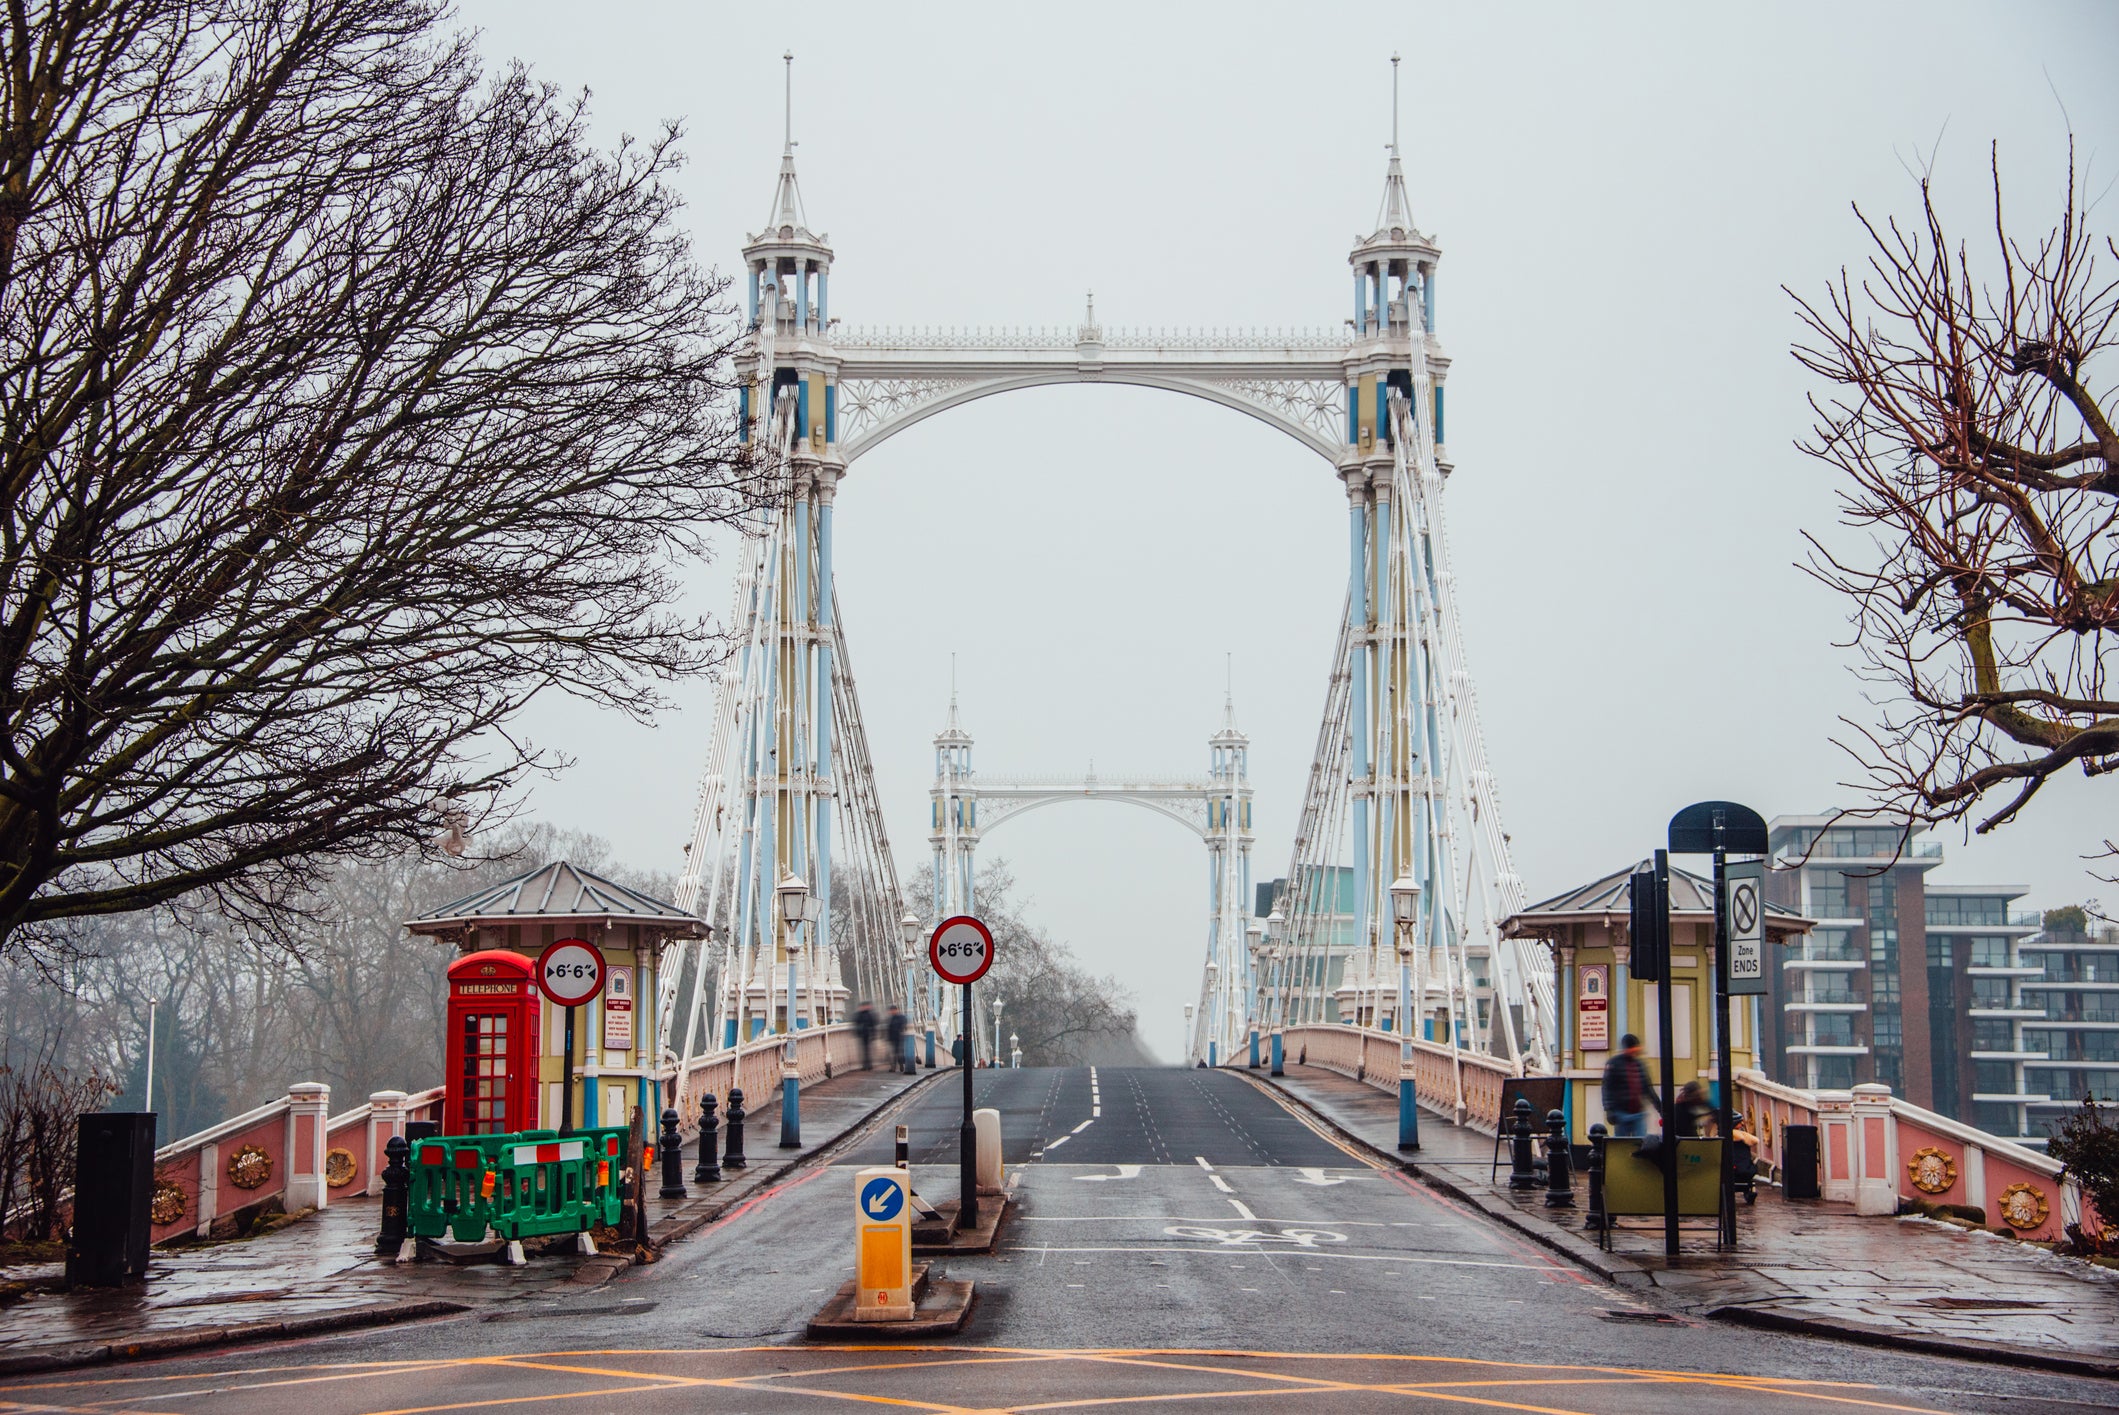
{"x": 961, "y": 949}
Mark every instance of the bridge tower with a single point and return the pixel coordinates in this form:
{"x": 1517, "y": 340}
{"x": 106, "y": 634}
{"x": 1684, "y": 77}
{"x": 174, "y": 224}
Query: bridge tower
{"x": 1227, "y": 983}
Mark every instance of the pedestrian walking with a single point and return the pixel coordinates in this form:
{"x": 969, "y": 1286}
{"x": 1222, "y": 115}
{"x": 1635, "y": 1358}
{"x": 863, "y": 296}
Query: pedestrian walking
{"x": 864, "y": 1027}
{"x": 1627, "y": 1094}
{"x": 894, "y": 1033}
{"x": 1695, "y": 1117}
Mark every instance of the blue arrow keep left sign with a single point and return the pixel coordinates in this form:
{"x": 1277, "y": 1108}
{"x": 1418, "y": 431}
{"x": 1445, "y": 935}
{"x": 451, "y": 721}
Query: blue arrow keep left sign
{"x": 881, "y": 1199}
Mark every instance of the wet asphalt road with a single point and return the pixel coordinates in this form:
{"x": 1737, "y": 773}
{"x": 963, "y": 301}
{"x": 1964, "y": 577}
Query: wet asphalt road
{"x": 1160, "y": 1209}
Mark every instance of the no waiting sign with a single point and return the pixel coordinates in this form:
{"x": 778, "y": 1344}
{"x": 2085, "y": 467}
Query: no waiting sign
{"x": 1744, "y": 884}
{"x": 961, "y": 949}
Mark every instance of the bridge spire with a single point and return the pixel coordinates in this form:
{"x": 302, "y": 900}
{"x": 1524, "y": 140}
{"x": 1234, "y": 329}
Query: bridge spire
{"x": 787, "y": 193}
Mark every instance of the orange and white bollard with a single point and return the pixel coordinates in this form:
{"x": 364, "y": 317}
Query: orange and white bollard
{"x": 883, "y": 1245}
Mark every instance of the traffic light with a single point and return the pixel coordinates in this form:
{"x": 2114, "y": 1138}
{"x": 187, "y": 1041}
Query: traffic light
{"x": 1649, "y": 924}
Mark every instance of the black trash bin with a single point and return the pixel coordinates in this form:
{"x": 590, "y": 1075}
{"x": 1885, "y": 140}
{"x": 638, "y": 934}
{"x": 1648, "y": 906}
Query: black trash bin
{"x": 114, "y": 1177}
{"x": 1799, "y": 1161}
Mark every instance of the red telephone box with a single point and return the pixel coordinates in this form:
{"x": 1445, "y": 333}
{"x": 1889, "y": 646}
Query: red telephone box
{"x": 494, "y": 1045}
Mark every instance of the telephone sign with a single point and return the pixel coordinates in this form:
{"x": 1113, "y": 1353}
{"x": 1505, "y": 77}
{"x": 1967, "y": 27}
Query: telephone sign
{"x": 961, "y": 949}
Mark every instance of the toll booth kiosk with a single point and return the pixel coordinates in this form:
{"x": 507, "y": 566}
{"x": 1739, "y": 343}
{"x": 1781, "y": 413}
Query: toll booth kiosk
{"x": 494, "y": 1049}
{"x": 508, "y": 1065}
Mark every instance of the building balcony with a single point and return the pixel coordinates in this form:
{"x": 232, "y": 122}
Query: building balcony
{"x": 2010, "y": 970}
{"x": 2018, "y": 927}
{"x": 2081, "y": 1024}
{"x": 2010, "y": 1056}
{"x": 1838, "y": 1006}
{"x": 2003, "y": 1014}
{"x": 1805, "y": 1049}
{"x": 2011, "y": 1098}
{"x": 1832, "y": 965}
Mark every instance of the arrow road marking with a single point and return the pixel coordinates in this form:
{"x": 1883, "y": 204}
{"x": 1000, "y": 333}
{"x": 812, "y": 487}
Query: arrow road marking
{"x": 1125, "y": 1171}
{"x": 1318, "y": 1177}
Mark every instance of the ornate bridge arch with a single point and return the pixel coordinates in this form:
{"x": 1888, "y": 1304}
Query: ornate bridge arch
{"x": 1293, "y": 381}
{"x": 1399, "y": 786}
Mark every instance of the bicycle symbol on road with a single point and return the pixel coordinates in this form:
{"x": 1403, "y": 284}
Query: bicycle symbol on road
{"x": 1237, "y": 1237}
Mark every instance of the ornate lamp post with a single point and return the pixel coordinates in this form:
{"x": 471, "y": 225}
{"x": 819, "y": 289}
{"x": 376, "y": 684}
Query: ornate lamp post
{"x": 1213, "y": 1017}
{"x": 997, "y": 1006}
{"x": 909, "y": 935}
{"x": 1405, "y": 913}
{"x": 1015, "y": 1052}
{"x": 1188, "y": 1029}
{"x": 793, "y": 892}
{"x": 1255, "y": 995}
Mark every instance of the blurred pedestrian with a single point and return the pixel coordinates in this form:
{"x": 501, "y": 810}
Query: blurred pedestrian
{"x": 894, "y": 1033}
{"x": 864, "y": 1027}
{"x": 1627, "y": 1093}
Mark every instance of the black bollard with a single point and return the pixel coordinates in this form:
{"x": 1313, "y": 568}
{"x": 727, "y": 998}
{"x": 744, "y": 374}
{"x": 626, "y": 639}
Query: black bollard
{"x": 397, "y": 1196}
{"x": 672, "y": 1146}
{"x": 732, "y": 1155}
{"x": 1522, "y": 1165}
{"x": 1559, "y": 1163}
{"x": 1597, "y": 1136}
{"x": 709, "y": 1170}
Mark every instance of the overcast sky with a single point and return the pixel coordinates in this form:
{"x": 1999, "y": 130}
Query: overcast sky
{"x": 1619, "y": 194}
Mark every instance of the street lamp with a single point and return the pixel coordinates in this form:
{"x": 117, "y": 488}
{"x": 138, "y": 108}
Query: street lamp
{"x": 997, "y": 1006}
{"x": 1405, "y": 914}
{"x": 1277, "y": 930}
{"x": 1188, "y": 1029}
{"x": 909, "y": 934}
{"x": 1015, "y": 1052}
{"x": 793, "y": 892}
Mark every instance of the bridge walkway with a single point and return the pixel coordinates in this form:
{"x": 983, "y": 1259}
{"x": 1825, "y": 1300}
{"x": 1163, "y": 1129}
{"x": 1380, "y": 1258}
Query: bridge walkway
{"x": 1809, "y": 1266}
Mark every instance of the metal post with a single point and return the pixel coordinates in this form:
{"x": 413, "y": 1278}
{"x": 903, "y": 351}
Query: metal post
{"x": 1725, "y": 1226}
{"x": 1666, "y": 1045}
{"x": 1559, "y": 1164}
{"x": 1408, "y": 1084}
{"x": 566, "y": 1080}
{"x": 732, "y": 1156}
{"x": 672, "y": 1146}
{"x": 967, "y": 1214}
{"x": 397, "y": 1196}
{"x": 1597, "y": 1135}
{"x": 1522, "y": 1167}
{"x": 709, "y": 1170}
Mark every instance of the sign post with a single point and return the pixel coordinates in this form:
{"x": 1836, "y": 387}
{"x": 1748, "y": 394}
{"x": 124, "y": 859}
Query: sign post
{"x": 1720, "y": 827}
{"x": 960, "y": 951}
{"x": 570, "y": 971}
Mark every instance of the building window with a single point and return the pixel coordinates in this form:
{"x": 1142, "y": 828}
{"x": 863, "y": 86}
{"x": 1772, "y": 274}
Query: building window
{"x": 1996, "y": 1119}
{"x": 1990, "y": 992}
{"x": 1990, "y": 952}
{"x": 1834, "y": 946}
{"x": 1828, "y": 896}
{"x": 1886, "y": 1027}
{"x": 1831, "y": 987}
{"x": 1990, "y": 1035}
{"x": 2100, "y": 1046}
{"x": 1835, "y": 1073}
{"x": 1832, "y": 1029}
{"x": 1946, "y": 910}
{"x": 1996, "y": 1078}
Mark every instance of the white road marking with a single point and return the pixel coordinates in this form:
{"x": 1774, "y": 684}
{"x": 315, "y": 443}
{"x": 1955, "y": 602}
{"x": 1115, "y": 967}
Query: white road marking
{"x": 1083, "y": 1126}
{"x": 1055, "y": 1144}
{"x": 1243, "y": 1212}
{"x": 1202, "y": 1159}
{"x": 1316, "y": 1252}
{"x": 1095, "y": 1111}
{"x": 1316, "y": 1176}
{"x": 1125, "y": 1171}
{"x": 1221, "y": 1184}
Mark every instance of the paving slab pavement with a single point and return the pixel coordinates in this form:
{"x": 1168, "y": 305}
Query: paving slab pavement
{"x": 321, "y": 1272}
{"x": 1911, "y": 1283}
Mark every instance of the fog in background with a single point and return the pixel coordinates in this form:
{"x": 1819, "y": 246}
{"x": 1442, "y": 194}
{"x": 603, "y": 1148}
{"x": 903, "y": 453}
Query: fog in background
{"x": 1619, "y": 195}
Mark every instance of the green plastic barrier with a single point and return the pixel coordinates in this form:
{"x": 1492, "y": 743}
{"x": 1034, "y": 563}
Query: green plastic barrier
{"x": 521, "y": 1185}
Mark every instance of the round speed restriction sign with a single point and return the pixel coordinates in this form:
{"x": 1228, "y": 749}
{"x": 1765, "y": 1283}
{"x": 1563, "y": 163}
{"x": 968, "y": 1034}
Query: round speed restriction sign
{"x": 570, "y": 971}
{"x": 961, "y": 949}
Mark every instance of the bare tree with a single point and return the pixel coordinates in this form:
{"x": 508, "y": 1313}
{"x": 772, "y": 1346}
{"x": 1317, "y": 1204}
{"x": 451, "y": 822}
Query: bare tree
{"x": 1968, "y": 412}
{"x": 348, "y": 399}
{"x": 1065, "y": 1015}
